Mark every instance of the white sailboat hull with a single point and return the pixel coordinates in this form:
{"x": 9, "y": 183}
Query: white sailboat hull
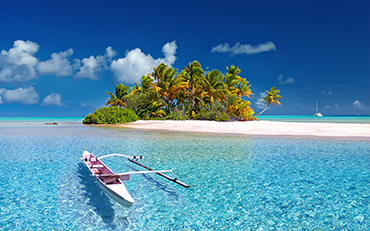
{"x": 317, "y": 114}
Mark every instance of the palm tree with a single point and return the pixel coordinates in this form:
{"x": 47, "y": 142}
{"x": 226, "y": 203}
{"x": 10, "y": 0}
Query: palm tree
{"x": 168, "y": 84}
{"x": 230, "y": 103}
{"x": 244, "y": 111}
{"x": 193, "y": 75}
{"x": 231, "y": 78}
{"x": 146, "y": 82}
{"x": 233, "y": 70}
{"x": 117, "y": 99}
{"x": 243, "y": 88}
{"x": 213, "y": 88}
{"x": 271, "y": 99}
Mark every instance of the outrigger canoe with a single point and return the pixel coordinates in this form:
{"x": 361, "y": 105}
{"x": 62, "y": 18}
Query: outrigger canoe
{"x": 112, "y": 184}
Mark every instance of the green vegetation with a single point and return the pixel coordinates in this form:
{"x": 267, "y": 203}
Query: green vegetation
{"x": 271, "y": 99}
{"x": 193, "y": 93}
{"x": 111, "y": 115}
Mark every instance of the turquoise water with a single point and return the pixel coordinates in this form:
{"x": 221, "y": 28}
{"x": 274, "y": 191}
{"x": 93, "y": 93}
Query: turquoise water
{"x": 285, "y": 118}
{"x": 38, "y": 120}
{"x": 236, "y": 182}
{"x": 312, "y": 119}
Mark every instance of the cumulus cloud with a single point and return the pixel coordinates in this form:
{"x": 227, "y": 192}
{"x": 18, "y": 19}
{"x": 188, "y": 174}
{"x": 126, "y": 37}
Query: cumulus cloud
{"x": 357, "y": 105}
{"x": 260, "y": 102}
{"x": 59, "y": 64}
{"x": 53, "y": 99}
{"x": 110, "y": 53}
{"x": 239, "y": 49}
{"x": 20, "y": 95}
{"x": 169, "y": 51}
{"x": 136, "y": 64}
{"x": 92, "y": 67}
{"x": 289, "y": 80}
{"x": 18, "y": 64}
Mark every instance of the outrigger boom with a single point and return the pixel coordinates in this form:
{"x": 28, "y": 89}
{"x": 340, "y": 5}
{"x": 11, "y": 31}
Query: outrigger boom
{"x": 132, "y": 173}
{"x": 116, "y": 154}
{"x": 167, "y": 177}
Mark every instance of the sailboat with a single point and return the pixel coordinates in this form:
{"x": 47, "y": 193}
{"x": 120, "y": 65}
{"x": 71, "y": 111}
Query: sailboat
{"x": 317, "y": 114}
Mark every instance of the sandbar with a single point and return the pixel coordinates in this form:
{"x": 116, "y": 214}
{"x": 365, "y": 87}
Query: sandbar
{"x": 269, "y": 128}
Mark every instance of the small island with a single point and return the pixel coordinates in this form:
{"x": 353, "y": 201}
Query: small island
{"x": 192, "y": 94}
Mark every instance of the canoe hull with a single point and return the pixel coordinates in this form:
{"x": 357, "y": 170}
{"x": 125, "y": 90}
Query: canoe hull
{"x": 114, "y": 189}
{"x": 119, "y": 193}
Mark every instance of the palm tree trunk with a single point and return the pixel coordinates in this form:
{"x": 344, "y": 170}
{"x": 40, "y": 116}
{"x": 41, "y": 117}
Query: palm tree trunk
{"x": 262, "y": 111}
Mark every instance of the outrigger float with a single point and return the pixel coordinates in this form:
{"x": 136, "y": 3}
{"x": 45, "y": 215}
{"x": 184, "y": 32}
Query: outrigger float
{"x": 112, "y": 184}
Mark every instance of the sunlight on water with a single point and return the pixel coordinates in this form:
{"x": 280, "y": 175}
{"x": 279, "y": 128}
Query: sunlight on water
{"x": 236, "y": 182}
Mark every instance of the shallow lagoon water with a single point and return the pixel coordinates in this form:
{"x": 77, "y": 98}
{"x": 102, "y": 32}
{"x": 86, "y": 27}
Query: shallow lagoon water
{"x": 236, "y": 182}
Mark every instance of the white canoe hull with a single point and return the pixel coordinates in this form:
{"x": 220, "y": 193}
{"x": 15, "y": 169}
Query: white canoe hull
{"x": 115, "y": 189}
{"x": 117, "y": 192}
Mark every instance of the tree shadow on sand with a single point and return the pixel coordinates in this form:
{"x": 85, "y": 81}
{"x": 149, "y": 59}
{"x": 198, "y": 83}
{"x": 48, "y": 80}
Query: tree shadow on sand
{"x": 100, "y": 202}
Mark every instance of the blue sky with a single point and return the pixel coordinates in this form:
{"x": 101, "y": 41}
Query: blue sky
{"x": 58, "y": 58}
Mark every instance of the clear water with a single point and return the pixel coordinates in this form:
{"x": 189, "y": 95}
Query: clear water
{"x": 284, "y": 118}
{"x": 38, "y": 120}
{"x": 236, "y": 182}
{"x": 313, "y": 119}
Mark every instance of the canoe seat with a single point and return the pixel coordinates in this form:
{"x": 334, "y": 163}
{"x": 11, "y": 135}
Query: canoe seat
{"x": 96, "y": 166}
{"x": 110, "y": 179}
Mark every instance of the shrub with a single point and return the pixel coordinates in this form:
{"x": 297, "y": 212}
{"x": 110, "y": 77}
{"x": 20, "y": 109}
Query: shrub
{"x": 178, "y": 115}
{"x": 204, "y": 114}
{"x": 111, "y": 115}
{"x": 142, "y": 104}
{"x": 223, "y": 117}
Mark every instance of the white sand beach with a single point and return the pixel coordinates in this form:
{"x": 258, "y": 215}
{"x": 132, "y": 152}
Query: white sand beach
{"x": 257, "y": 128}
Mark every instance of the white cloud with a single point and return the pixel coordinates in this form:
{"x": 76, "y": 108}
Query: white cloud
{"x": 18, "y": 64}
{"x": 136, "y": 64}
{"x": 239, "y": 49}
{"x": 53, "y": 99}
{"x": 357, "y": 105}
{"x": 58, "y": 65}
{"x": 110, "y": 53}
{"x": 1, "y": 98}
{"x": 91, "y": 107}
{"x": 169, "y": 51}
{"x": 92, "y": 67}
{"x": 89, "y": 69}
{"x": 289, "y": 80}
{"x": 20, "y": 95}
{"x": 260, "y": 102}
